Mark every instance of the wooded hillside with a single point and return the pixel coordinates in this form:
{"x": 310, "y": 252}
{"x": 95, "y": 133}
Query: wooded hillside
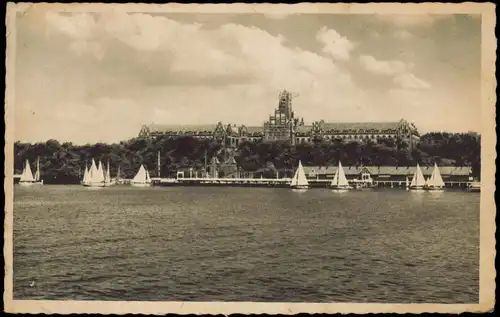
{"x": 64, "y": 163}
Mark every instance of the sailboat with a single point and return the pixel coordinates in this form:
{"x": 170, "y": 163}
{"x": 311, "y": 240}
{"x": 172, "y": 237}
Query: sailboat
{"x": 107, "y": 177}
{"x": 27, "y": 178}
{"x": 418, "y": 180}
{"x": 299, "y": 181}
{"x": 86, "y": 175}
{"x": 118, "y": 179}
{"x": 340, "y": 182}
{"x": 435, "y": 182}
{"x": 38, "y": 180}
{"x": 95, "y": 176}
{"x": 142, "y": 178}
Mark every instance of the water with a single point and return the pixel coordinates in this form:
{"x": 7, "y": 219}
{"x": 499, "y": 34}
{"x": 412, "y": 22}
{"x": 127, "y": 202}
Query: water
{"x": 245, "y": 244}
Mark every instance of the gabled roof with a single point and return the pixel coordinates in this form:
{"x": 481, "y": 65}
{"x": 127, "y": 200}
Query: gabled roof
{"x": 321, "y": 170}
{"x": 303, "y": 129}
{"x": 232, "y": 130}
{"x": 162, "y": 128}
{"x": 255, "y": 130}
{"x": 426, "y": 170}
{"x": 389, "y": 170}
{"x": 250, "y": 131}
{"x": 357, "y": 126}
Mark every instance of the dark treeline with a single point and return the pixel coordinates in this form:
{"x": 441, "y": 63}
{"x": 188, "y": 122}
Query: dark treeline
{"x": 64, "y": 163}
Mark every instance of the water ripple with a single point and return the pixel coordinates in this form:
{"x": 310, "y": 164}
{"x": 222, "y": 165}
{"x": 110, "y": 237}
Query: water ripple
{"x": 209, "y": 244}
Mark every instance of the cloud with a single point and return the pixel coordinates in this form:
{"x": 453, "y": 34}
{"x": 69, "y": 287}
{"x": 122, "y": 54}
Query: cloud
{"x": 403, "y": 34}
{"x": 87, "y": 47}
{"x": 375, "y": 34}
{"x": 408, "y": 20}
{"x": 399, "y": 70}
{"x": 410, "y": 81}
{"x": 137, "y": 68}
{"x": 77, "y": 26}
{"x": 191, "y": 50}
{"x": 277, "y": 15}
{"x": 372, "y": 65}
{"x": 338, "y": 46}
{"x": 425, "y": 108}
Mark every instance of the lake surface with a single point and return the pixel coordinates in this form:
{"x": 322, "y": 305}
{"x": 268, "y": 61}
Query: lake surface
{"x": 245, "y": 244}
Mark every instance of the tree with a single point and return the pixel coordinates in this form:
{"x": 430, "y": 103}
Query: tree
{"x": 64, "y": 163}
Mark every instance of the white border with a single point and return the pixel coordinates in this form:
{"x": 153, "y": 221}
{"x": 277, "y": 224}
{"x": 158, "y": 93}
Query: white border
{"x": 488, "y": 209}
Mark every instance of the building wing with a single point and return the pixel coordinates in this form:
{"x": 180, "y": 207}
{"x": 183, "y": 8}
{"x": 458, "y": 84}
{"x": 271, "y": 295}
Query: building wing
{"x": 283, "y": 125}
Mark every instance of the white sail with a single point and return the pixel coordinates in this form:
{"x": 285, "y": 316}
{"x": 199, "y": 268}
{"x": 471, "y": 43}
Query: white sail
{"x": 108, "y": 174}
{"x": 294, "y": 178}
{"x": 92, "y": 170}
{"x": 148, "y": 178}
{"x": 93, "y": 176}
{"x": 340, "y": 180}
{"x": 418, "y": 179}
{"x": 435, "y": 180}
{"x": 27, "y": 175}
{"x": 100, "y": 172}
{"x": 85, "y": 175}
{"x": 37, "y": 172}
{"x": 335, "y": 179}
{"x": 96, "y": 175}
{"x": 299, "y": 179}
{"x": 141, "y": 176}
{"x": 414, "y": 179}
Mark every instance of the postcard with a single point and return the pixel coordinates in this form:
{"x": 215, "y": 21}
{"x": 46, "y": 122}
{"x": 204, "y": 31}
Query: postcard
{"x": 250, "y": 158}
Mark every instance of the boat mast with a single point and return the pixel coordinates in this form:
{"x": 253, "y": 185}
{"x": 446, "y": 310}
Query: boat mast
{"x": 108, "y": 173}
{"x": 205, "y": 162}
{"x": 37, "y": 175}
{"x": 159, "y": 164}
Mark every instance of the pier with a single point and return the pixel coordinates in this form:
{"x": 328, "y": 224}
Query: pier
{"x": 277, "y": 182}
{"x": 233, "y": 182}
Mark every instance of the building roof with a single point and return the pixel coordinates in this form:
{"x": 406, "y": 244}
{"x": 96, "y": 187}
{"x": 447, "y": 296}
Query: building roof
{"x": 357, "y": 126}
{"x": 185, "y": 128}
{"x": 389, "y": 170}
{"x": 303, "y": 129}
{"x": 254, "y": 129}
{"x": 232, "y": 129}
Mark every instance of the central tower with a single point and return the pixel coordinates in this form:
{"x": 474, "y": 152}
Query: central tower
{"x": 281, "y": 125}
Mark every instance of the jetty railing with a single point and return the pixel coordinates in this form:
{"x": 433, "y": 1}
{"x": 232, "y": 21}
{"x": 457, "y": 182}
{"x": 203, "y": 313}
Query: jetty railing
{"x": 281, "y": 182}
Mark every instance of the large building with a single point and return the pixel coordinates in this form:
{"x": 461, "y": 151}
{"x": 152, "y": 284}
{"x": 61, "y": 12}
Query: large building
{"x": 284, "y": 126}
{"x": 389, "y": 173}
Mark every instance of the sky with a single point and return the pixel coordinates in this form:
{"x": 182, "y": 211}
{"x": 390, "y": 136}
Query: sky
{"x": 98, "y": 77}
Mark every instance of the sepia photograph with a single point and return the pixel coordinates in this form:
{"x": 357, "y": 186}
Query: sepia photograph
{"x": 250, "y": 158}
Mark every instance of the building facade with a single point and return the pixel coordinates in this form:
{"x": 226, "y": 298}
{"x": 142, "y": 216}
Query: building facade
{"x": 283, "y": 125}
{"x": 389, "y": 173}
